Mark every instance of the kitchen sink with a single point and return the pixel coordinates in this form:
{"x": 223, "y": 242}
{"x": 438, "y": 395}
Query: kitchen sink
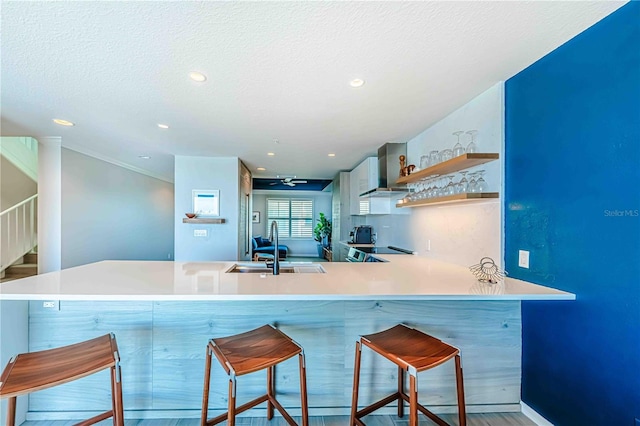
{"x": 285, "y": 268}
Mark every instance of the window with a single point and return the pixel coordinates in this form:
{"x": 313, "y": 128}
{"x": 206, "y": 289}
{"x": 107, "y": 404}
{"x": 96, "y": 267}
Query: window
{"x": 293, "y": 215}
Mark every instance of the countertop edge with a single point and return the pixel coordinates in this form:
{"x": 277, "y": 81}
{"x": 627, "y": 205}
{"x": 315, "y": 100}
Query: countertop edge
{"x": 270, "y": 297}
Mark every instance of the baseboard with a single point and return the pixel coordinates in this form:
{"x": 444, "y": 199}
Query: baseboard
{"x": 534, "y": 416}
{"x": 261, "y": 412}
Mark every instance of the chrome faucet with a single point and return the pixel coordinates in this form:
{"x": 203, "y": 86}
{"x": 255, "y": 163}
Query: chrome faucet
{"x": 273, "y": 237}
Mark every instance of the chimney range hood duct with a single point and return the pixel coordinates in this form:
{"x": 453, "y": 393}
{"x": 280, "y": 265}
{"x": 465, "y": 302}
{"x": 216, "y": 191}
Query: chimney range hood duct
{"x": 389, "y": 171}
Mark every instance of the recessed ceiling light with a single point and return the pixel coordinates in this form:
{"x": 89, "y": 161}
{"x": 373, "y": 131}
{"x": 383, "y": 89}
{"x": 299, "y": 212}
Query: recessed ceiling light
{"x": 63, "y": 122}
{"x": 144, "y": 157}
{"x": 262, "y": 169}
{"x": 271, "y": 154}
{"x": 357, "y": 82}
{"x": 331, "y": 155}
{"x": 163, "y": 126}
{"x": 197, "y": 76}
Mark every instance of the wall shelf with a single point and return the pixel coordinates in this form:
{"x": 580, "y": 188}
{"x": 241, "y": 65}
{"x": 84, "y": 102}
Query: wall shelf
{"x": 451, "y": 199}
{"x": 203, "y": 220}
{"x": 454, "y": 165}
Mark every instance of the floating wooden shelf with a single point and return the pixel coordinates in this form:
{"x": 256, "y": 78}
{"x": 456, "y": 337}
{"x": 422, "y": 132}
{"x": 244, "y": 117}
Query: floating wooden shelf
{"x": 457, "y": 198}
{"x": 203, "y": 220}
{"x": 454, "y": 165}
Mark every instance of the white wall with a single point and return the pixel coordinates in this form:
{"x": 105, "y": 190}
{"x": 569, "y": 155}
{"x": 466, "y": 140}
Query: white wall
{"x": 207, "y": 173}
{"x": 297, "y": 247}
{"x": 22, "y": 152}
{"x": 462, "y": 233}
{"x": 15, "y": 186}
{"x": 109, "y": 212}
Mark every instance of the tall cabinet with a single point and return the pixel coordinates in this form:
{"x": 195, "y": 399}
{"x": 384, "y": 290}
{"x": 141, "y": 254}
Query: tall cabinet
{"x": 341, "y": 220}
{"x": 244, "y": 222}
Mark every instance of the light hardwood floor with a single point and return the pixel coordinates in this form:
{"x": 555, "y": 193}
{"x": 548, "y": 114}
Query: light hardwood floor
{"x": 490, "y": 419}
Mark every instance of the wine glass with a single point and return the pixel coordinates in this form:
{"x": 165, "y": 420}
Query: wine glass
{"x": 434, "y": 158}
{"x": 472, "y": 188}
{"x": 432, "y": 191}
{"x": 450, "y": 189}
{"x": 458, "y": 149}
{"x": 481, "y": 184}
{"x": 424, "y": 162}
{"x": 472, "y": 147}
{"x": 462, "y": 185}
{"x": 421, "y": 187}
{"x": 446, "y": 155}
{"x": 412, "y": 190}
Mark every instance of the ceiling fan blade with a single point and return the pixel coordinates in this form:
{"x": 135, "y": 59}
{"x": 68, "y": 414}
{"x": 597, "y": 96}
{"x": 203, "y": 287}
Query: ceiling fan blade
{"x": 298, "y": 181}
{"x": 273, "y": 183}
{"x": 289, "y": 183}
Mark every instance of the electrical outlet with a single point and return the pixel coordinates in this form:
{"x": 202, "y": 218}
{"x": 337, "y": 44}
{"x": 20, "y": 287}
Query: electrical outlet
{"x": 199, "y": 232}
{"x": 523, "y": 259}
{"x": 51, "y": 304}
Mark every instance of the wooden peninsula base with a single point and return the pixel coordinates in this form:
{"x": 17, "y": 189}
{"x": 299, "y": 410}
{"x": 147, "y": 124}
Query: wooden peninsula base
{"x": 163, "y": 344}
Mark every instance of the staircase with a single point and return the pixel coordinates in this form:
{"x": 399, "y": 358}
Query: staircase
{"x": 18, "y": 223}
{"x": 25, "y": 267}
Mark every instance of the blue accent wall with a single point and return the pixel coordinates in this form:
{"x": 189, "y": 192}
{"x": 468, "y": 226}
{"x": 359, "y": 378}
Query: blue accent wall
{"x": 572, "y": 199}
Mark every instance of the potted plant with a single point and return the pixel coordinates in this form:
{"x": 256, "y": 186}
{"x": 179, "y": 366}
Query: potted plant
{"x": 322, "y": 233}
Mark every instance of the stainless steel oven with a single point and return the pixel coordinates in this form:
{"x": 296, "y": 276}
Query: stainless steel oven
{"x": 356, "y": 255}
{"x": 367, "y": 254}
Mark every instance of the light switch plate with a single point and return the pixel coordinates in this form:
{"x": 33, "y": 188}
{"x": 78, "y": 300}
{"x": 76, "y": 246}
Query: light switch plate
{"x": 523, "y": 259}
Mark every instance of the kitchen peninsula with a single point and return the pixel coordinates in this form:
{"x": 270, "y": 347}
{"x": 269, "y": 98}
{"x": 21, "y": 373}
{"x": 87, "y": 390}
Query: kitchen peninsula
{"x": 163, "y": 314}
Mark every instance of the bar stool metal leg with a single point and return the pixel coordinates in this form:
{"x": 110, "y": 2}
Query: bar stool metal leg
{"x": 462, "y": 415}
{"x": 356, "y": 385}
{"x": 413, "y": 400}
{"x": 271, "y": 386}
{"x": 205, "y": 394}
{"x": 231, "y": 419}
{"x": 11, "y": 412}
{"x": 400, "y": 391}
{"x": 116, "y": 390}
{"x": 303, "y": 390}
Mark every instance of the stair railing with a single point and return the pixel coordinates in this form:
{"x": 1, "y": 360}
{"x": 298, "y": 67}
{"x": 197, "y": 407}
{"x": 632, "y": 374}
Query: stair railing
{"x": 18, "y": 231}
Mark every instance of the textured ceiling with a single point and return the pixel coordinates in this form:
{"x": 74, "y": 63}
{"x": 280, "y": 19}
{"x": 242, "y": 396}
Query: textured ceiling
{"x": 276, "y": 71}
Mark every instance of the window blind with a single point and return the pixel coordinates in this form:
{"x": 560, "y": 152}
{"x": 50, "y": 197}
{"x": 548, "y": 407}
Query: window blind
{"x": 294, "y": 217}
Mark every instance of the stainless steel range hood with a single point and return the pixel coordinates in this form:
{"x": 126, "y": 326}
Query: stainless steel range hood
{"x": 389, "y": 171}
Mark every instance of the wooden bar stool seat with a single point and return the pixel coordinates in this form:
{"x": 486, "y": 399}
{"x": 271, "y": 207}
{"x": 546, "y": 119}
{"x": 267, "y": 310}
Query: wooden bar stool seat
{"x": 34, "y": 371}
{"x": 249, "y": 352}
{"x": 412, "y": 351}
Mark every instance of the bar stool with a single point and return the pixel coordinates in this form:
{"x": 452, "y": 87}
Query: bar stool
{"x": 249, "y": 352}
{"x": 34, "y": 371}
{"x": 412, "y": 351}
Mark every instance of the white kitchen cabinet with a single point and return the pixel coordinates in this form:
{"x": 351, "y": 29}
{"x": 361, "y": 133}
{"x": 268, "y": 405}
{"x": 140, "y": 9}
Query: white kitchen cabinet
{"x": 363, "y": 178}
{"x": 341, "y": 250}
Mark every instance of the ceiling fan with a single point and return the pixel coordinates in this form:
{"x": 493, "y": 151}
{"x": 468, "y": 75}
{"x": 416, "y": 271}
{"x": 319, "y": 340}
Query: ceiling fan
{"x": 289, "y": 181}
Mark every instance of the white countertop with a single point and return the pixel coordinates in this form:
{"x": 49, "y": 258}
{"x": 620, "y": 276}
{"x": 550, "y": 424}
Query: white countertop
{"x": 402, "y": 278}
